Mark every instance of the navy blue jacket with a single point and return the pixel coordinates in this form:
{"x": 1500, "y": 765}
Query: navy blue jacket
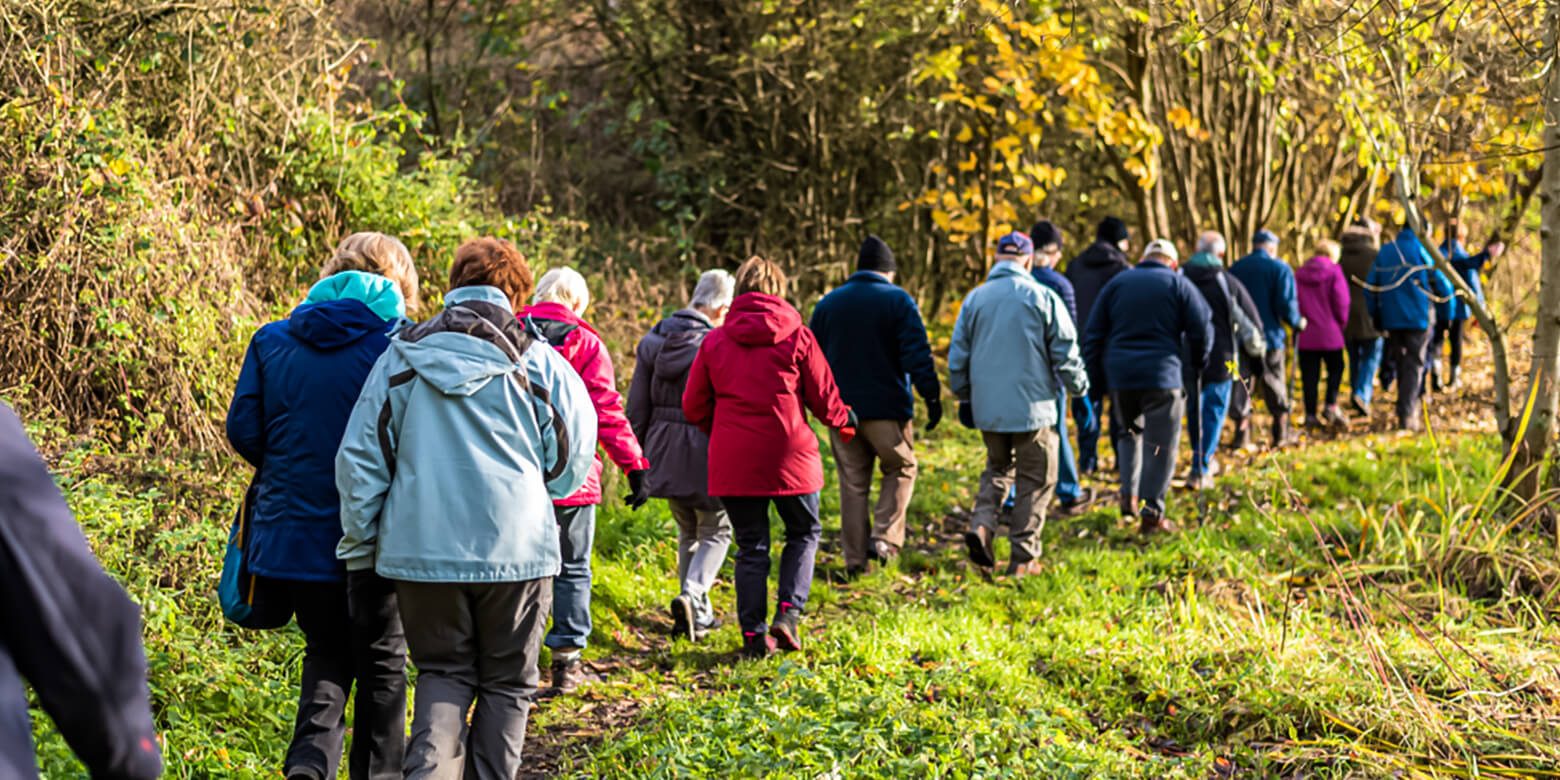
{"x": 1090, "y": 272}
{"x": 1140, "y": 324}
{"x": 296, "y": 390}
{"x": 1401, "y": 284}
{"x": 69, "y": 629}
{"x": 1058, "y": 283}
{"x": 1271, "y": 283}
{"x": 873, "y": 337}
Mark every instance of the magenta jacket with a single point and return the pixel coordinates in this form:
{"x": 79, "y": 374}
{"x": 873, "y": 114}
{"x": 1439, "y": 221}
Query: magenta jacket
{"x": 1324, "y": 303}
{"x": 579, "y": 344}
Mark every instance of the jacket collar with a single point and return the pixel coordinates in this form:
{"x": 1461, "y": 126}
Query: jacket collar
{"x": 1007, "y": 268}
{"x": 691, "y": 313}
{"x": 1153, "y": 265}
{"x": 869, "y": 277}
{"x": 480, "y": 292}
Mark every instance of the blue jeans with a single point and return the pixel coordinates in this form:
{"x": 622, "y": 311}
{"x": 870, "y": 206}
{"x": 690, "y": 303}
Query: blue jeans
{"x": 1205, "y": 412}
{"x": 571, "y": 588}
{"x": 1364, "y": 361}
{"x": 1087, "y": 415}
{"x": 1066, "y": 466}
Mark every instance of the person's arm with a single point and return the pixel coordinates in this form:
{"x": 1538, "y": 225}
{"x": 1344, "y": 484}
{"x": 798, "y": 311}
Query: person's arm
{"x": 612, "y": 428}
{"x": 698, "y": 401}
{"x": 246, "y": 413}
{"x": 1197, "y": 324}
{"x": 639, "y": 403}
{"x": 1340, "y": 299}
{"x": 959, "y": 352}
{"x": 819, "y": 392}
{"x": 1290, "y": 301}
{"x": 1095, "y": 334}
{"x": 69, "y": 628}
{"x": 915, "y": 351}
{"x": 567, "y": 419}
{"x": 365, "y": 464}
{"x": 1062, "y": 346}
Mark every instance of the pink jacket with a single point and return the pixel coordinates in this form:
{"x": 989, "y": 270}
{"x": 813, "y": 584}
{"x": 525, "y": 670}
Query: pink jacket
{"x": 579, "y": 344}
{"x": 1324, "y": 303}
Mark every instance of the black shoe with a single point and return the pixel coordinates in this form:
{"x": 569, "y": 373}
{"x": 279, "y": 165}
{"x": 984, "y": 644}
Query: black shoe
{"x": 1086, "y": 496}
{"x": 979, "y": 542}
{"x": 784, "y": 629}
{"x": 568, "y": 676}
{"x": 682, "y": 619}
{"x": 884, "y": 552}
{"x": 757, "y": 644}
{"x": 1129, "y": 506}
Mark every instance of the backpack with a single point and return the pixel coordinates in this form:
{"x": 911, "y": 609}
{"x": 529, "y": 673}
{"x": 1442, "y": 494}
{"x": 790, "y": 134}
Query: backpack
{"x": 1249, "y": 337}
{"x": 247, "y": 600}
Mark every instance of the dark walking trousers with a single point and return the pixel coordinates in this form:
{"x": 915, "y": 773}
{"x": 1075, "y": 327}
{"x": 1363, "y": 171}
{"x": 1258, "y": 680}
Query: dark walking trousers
{"x": 1406, "y": 353}
{"x": 1266, "y": 375}
{"x": 1150, "y": 423}
{"x": 750, "y": 528}
{"x": 1311, "y": 362}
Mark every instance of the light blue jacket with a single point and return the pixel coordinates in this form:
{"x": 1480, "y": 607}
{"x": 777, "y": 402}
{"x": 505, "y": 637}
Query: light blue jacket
{"x": 466, "y": 431}
{"x": 1014, "y": 349}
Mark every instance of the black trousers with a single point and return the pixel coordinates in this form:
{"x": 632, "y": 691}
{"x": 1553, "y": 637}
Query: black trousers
{"x": 352, "y": 634}
{"x": 750, "y": 528}
{"x": 1266, "y": 377}
{"x": 1311, "y": 362}
{"x": 1406, "y": 353}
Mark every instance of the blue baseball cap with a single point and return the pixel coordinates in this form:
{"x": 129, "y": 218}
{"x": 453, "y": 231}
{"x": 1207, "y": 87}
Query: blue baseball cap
{"x": 1264, "y": 236}
{"x": 1015, "y": 244}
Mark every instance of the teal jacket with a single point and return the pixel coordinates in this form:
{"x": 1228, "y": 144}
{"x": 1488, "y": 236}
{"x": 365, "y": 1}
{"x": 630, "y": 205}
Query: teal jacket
{"x": 466, "y": 432}
{"x": 1014, "y": 350}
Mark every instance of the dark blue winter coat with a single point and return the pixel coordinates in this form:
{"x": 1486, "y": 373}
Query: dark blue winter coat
{"x": 1090, "y": 271}
{"x": 1469, "y": 268}
{"x": 873, "y": 337}
{"x": 1139, "y": 326}
{"x": 69, "y": 630}
{"x": 296, "y": 390}
{"x": 1401, "y": 285}
{"x": 1058, "y": 283}
{"x": 1271, "y": 283}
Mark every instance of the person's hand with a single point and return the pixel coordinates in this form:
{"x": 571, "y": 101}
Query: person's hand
{"x": 1304, "y": 322}
{"x": 934, "y": 413}
{"x": 966, "y": 415}
{"x": 636, "y": 497}
{"x": 848, "y": 430}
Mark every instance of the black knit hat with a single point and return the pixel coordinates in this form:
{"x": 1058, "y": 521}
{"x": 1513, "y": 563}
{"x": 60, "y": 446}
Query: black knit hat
{"x": 1045, "y": 234}
{"x": 876, "y": 256}
{"x": 1112, "y": 230}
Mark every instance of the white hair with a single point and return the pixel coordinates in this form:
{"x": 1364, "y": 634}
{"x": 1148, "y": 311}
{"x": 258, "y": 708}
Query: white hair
{"x": 1211, "y": 242}
{"x": 565, "y": 286}
{"x": 715, "y": 289}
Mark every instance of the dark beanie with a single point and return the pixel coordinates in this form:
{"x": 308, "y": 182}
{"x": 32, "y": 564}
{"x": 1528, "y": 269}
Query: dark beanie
{"x": 876, "y": 256}
{"x": 1045, "y": 234}
{"x": 1112, "y": 230}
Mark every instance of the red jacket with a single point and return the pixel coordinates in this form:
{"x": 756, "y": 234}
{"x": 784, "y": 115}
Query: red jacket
{"x": 747, "y": 388}
{"x": 579, "y": 344}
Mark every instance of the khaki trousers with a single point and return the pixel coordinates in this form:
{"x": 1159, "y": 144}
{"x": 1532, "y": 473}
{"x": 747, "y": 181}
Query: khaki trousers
{"x": 1033, "y": 457}
{"x": 889, "y": 445}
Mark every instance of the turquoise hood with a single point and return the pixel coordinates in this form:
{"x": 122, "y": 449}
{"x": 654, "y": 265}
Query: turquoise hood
{"x": 382, "y": 296}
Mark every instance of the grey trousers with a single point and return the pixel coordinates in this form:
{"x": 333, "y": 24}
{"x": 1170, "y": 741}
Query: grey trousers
{"x": 472, "y": 641}
{"x": 1032, "y": 457}
{"x": 1150, "y": 423}
{"x": 703, "y": 536}
{"x": 1406, "y": 350}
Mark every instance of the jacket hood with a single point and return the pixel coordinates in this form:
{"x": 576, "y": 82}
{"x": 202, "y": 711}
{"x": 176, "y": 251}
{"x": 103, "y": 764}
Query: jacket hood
{"x": 331, "y": 325}
{"x": 1204, "y": 260}
{"x": 757, "y": 320}
{"x": 1316, "y": 271}
{"x": 1201, "y": 273}
{"x": 683, "y": 333}
{"x": 380, "y": 294}
{"x": 460, "y": 362}
{"x": 1101, "y": 254}
{"x": 552, "y": 310}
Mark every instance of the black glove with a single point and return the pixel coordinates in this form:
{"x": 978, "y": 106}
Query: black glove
{"x": 933, "y": 413}
{"x": 966, "y": 415}
{"x": 1375, "y": 322}
{"x": 636, "y": 497}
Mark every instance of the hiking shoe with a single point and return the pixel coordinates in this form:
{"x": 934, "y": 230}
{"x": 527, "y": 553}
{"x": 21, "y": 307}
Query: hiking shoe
{"x": 1075, "y": 507}
{"x": 1129, "y": 506}
{"x": 1242, "y": 437}
{"x": 1334, "y": 418}
{"x": 784, "y": 629}
{"x": 979, "y": 542}
{"x": 1362, "y": 408}
{"x": 1019, "y": 571}
{"x": 683, "y": 624}
{"x": 1200, "y": 482}
{"x": 1154, "y": 523}
{"x": 1313, "y": 422}
{"x": 883, "y": 552}
{"x": 568, "y": 674}
{"x": 757, "y": 644}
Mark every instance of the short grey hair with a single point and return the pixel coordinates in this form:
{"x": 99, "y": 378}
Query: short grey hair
{"x": 1211, "y": 242}
{"x": 715, "y": 289}
{"x": 565, "y": 286}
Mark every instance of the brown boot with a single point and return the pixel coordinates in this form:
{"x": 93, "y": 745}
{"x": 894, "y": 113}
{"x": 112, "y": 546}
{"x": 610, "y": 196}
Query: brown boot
{"x": 1283, "y": 434}
{"x": 1019, "y": 571}
{"x": 979, "y": 542}
{"x": 1154, "y": 523}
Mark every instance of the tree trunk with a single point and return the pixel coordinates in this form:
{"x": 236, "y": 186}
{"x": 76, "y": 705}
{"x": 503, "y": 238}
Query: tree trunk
{"x": 1538, "y": 439}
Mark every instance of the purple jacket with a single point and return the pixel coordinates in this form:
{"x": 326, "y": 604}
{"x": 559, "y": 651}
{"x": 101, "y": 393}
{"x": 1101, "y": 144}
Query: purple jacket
{"x": 1324, "y": 302}
{"x": 677, "y": 449}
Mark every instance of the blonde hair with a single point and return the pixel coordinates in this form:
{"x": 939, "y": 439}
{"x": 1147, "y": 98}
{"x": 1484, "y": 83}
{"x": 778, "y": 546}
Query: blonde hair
{"x": 760, "y": 276}
{"x": 376, "y": 253}
{"x": 1329, "y": 248}
{"x": 565, "y": 286}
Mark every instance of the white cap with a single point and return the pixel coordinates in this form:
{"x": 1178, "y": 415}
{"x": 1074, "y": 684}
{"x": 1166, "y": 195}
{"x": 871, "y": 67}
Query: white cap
{"x": 1160, "y": 246}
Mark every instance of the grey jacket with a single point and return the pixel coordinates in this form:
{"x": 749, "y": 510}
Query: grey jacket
{"x": 1358, "y": 257}
{"x": 678, "y": 451}
{"x": 1014, "y": 349}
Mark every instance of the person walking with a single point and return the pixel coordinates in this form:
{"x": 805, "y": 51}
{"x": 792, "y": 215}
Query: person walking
{"x": 70, "y": 631}
{"x": 556, "y": 315}
{"x": 873, "y": 337}
{"x": 1272, "y": 286}
{"x": 1071, "y": 497}
{"x": 1324, "y": 305}
{"x": 1358, "y": 247}
{"x": 747, "y": 389}
{"x": 1237, "y": 332}
{"x": 296, "y": 389}
{"x": 1133, "y": 345}
{"x": 1089, "y": 272}
{"x": 467, "y": 429}
{"x": 679, "y": 451}
{"x": 1014, "y": 353}
{"x": 1452, "y": 327}
{"x": 1401, "y": 292}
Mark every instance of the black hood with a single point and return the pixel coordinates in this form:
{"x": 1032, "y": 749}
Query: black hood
{"x": 683, "y": 332}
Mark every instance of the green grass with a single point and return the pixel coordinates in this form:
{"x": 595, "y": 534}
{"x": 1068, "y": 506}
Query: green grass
{"x": 1334, "y": 611}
